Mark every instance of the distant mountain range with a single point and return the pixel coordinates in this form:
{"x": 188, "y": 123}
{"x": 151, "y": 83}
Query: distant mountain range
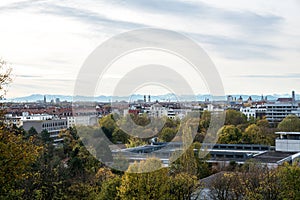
{"x": 166, "y": 97}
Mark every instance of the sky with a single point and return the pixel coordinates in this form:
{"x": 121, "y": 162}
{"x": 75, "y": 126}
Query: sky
{"x": 255, "y": 45}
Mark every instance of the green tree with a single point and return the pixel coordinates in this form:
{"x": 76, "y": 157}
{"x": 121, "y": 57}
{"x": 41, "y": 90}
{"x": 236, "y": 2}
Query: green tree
{"x": 290, "y": 182}
{"x": 108, "y": 125}
{"x": 225, "y": 186}
{"x": 172, "y": 123}
{"x": 45, "y": 136}
{"x": 229, "y": 134}
{"x": 31, "y": 132}
{"x": 17, "y": 154}
{"x": 263, "y": 123}
{"x": 16, "y": 157}
{"x": 259, "y": 182}
{"x": 167, "y": 134}
{"x": 109, "y": 189}
{"x": 182, "y": 186}
{"x": 257, "y": 135}
{"x": 234, "y": 117}
{"x": 204, "y": 121}
{"x": 145, "y": 180}
{"x": 141, "y": 120}
{"x": 135, "y": 141}
{"x": 290, "y": 124}
{"x": 119, "y": 136}
{"x": 252, "y": 135}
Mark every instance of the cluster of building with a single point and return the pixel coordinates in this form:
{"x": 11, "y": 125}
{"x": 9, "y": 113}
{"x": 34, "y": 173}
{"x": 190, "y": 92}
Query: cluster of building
{"x": 172, "y": 110}
{"x": 274, "y": 111}
{"x": 287, "y": 149}
{"x": 43, "y": 115}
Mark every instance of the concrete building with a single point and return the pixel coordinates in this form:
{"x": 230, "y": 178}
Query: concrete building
{"x": 276, "y": 112}
{"x": 54, "y": 127}
{"x": 296, "y": 112}
{"x": 283, "y": 107}
{"x": 288, "y": 141}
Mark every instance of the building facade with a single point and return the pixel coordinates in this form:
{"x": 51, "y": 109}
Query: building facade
{"x": 276, "y": 112}
{"x": 288, "y": 141}
{"x": 54, "y": 127}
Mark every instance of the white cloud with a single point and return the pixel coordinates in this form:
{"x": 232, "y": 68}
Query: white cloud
{"x": 51, "y": 39}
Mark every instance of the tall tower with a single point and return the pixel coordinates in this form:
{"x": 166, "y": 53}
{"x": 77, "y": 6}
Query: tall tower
{"x": 293, "y": 96}
{"x": 45, "y": 100}
{"x": 144, "y": 98}
{"x": 149, "y": 98}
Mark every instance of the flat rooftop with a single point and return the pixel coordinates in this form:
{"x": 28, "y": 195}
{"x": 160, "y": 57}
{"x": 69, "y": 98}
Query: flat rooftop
{"x": 272, "y": 156}
{"x": 288, "y": 133}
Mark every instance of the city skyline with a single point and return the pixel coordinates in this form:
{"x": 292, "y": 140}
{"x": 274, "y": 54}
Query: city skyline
{"x": 254, "y": 45}
{"x": 161, "y": 97}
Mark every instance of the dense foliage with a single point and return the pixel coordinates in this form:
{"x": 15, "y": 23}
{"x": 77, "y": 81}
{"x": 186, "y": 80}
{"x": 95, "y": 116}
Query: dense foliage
{"x": 256, "y": 181}
{"x": 32, "y": 167}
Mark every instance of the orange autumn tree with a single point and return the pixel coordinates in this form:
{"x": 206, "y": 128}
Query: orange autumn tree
{"x": 16, "y": 153}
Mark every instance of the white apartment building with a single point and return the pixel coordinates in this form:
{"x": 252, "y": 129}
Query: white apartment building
{"x": 27, "y": 117}
{"x": 19, "y": 120}
{"x": 10, "y": 119}
{"x": 212, "y": 108}
{"x": 253, "y": 111}
{"x": 157, "y": 110}
{"x": 248, "y": 111}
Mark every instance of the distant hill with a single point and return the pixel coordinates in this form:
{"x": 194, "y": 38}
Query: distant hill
{"x": 166, "y": 97}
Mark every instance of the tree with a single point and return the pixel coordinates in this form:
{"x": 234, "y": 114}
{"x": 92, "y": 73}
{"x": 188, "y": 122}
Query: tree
{"x": 108, "y": 125}
{"x": 141, "y": 120}
{"x": 259, "y": 182}
{"x": 254, "y": 135}
{"x": 145, "y": 180}
{"x": 290, "y": 182}
{"x": 263, "y": 123}
{"x": 290, "y": 124}
{"x": 167, "y": 134}
{"x": 17, "y": 154}
{"x": 184, "y": 160}
{"x": 5, "y": 77}
{"x": 234, "y": 117}
{"x": 134, "y": 142}
{"x": 172, "y": 123}
{"x": 182, "y": 186}
{"x": 229, "y": 134}
{"x": 16, "y": 157}
{"x": 31, "y": 132}
{"x": 204, "y": 121}
{"x": 253, "y": 181}
{"x": 225, "y": 186}
{"x": 109, "y": 189}
{"x": 45, "y": 136}
{"x": 119, "y": 136}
